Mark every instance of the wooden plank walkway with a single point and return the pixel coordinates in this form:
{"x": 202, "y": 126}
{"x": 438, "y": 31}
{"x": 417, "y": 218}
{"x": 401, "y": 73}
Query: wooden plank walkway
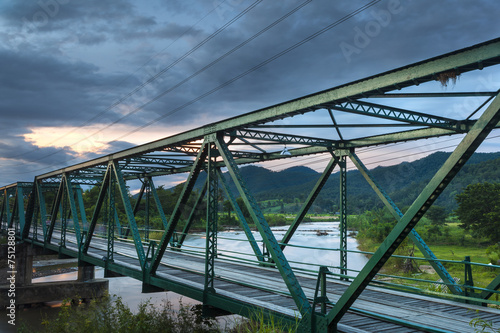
{"x": 263, "y": 287}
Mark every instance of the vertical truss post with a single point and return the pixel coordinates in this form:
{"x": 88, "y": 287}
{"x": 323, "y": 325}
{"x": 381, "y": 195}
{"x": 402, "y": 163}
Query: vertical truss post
{"x": 270, "y": 241}
{"x": 146, "y": 222}
{"x": 30, "y": 209}
{"x": 241, "y": 218}
{"x": 414, "y": 236}
{"x": 43, "y": 208}
{"x": 309, "y": 201}
{"x": 192, "y": 214}
{"x": 64, "y": 216}
{"x": 483, "y": 126}
{"x": 468, "y": 281}
{"x": 180, "y": 205}
{"x": 111, "y": 219}
{"x": 97, "y": 208}
{"x": 54, "y": 210}
{"x": 81, "y": 207}
{"x": 2, "y": 211}
{"x": 130, "y": 213}
{"x": 74, "y": 212}
{"x": 343, "y": 218}
{"x": 20, "y": 207}
{"x": 14, "y": 213}
{"x": 212, "y": 217}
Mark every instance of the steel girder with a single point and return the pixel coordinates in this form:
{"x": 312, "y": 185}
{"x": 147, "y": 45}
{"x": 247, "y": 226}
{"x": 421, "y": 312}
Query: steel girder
{"x": 485, "y": 124}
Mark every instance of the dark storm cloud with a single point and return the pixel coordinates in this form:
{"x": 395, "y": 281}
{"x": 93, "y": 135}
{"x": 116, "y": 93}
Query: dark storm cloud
{"x": 42, "y": 90}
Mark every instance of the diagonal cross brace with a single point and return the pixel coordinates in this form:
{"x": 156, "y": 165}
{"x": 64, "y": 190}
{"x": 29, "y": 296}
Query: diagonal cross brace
{"x": 190, "y": 219}
{"x": 130, "y": 213}
{"x": 181, "y": 203}
{"x": 436, "y": 186}
{"x": 414, "y": 236}
{"x": 241, "y": 218}
{"x": 74, "y": 212}
{"x": 309, "y": 201}
{"x": 277, "y": 255}
{"x": 97, "y": 209}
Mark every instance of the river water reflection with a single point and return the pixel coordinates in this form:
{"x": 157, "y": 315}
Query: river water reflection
{"x": 228, "y": 243}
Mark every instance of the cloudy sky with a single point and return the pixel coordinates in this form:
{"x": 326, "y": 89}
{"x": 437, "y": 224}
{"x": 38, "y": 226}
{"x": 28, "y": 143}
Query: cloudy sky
{"x": 84, "y": 78}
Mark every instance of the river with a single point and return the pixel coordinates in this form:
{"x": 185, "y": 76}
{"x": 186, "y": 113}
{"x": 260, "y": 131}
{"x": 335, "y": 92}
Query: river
{"x": 228, "y": 243}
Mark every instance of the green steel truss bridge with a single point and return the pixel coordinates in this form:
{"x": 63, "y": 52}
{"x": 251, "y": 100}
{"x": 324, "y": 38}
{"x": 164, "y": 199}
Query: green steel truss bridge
{"x": 49, "y": 212}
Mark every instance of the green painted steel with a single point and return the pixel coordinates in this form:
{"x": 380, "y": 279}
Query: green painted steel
{"x": 81, "y": 207}
{"x": 20, "y": 207}
{"x": 494, "y": 285}
{"x": 97, "y": 209}
{"x": 158, "y": 204}
{"x": 130, "y": 214}
{"x": 42, "y": 207}
{"x": 343, "y": 217}
{"x": 110, "y": 219}
{"x": 309, "y": 201}
{"x": 55, "y": 208}
{"x": 488, "y": 120}
{"x": 192, "y": 214}
{"x": 74, "y": 212}
{"x": 30, "y": 212}
{"x": 243, "y": 222}
{"x": 414, "y": 236}
{"x": 267, "y": 236}
{"x": 186, "y": 153}
{"x": 212, "y": 221}
{"x": 392, "y": 113}
{"x": 181, "y": 203}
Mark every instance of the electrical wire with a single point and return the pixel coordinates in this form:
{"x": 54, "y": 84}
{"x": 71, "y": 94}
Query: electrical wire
{"x": 267, "y": 61}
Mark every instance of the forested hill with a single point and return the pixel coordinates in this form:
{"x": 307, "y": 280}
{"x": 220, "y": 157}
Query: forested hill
{"x": 403, "y": 182}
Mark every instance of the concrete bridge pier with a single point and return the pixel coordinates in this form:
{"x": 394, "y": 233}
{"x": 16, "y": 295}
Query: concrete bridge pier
{"x": 17, "y": 287}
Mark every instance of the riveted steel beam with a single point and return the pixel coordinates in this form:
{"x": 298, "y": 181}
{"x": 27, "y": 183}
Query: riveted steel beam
{"x": 414, "y": 236}
{"x": 343, "y": 217}
{"x": 212, "y": 222}
{"x": 488, "y": 120}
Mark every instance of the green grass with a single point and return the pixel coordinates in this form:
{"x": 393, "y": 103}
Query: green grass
{"x": 110, "y": 315}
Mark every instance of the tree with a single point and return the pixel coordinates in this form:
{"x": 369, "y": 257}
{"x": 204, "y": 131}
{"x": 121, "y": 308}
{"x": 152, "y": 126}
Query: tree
{"x": 436, "y": 214}
{"x": 479, "y": 210}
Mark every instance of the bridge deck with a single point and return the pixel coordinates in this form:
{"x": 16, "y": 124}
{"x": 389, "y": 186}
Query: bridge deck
{"x": 376, "y": 310}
